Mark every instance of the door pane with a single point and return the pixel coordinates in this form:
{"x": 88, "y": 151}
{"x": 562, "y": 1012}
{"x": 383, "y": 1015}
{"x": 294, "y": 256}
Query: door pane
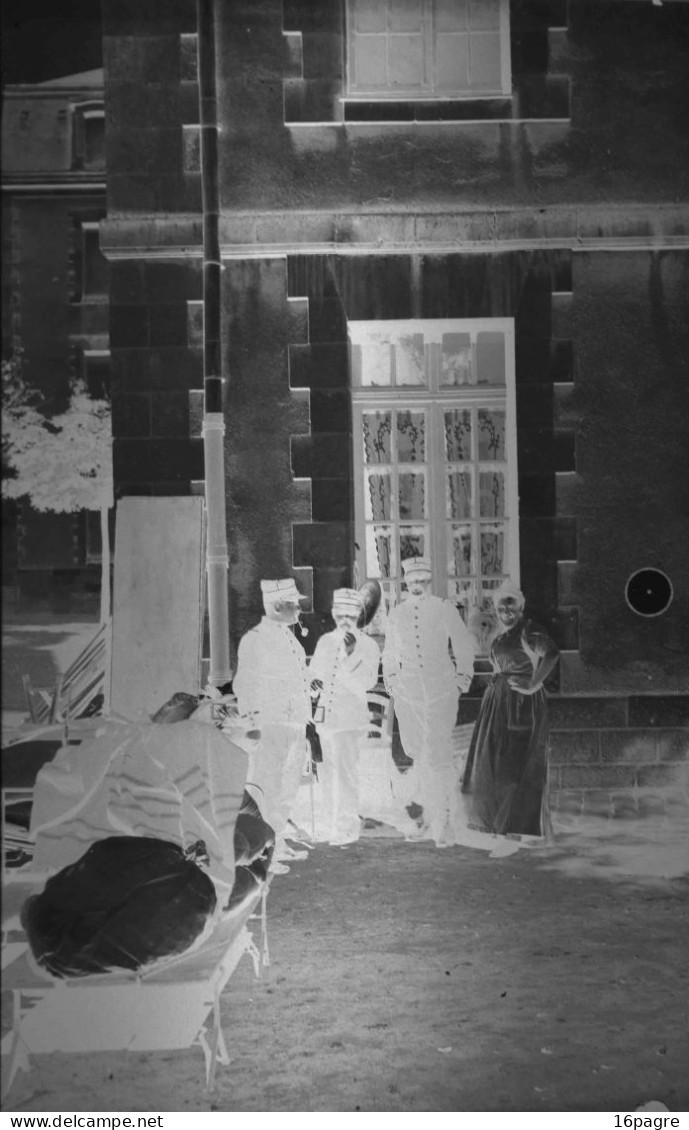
{"x": 379, "y": 498}
{"x": 458, "y": 435}
{"x": 412, "y": 495}
{"x": 458, "y": 495}
{"x": 492, "y": 549}
{"x": 459, "y": 551}
{"x": 492, "y": 494}
{"x": 376, "y": 428}
{"x": 491, "y": 435}
{"x": 380, "y": 559}
{"x": 412, "y": 541}
{"x": 411, "y": 437}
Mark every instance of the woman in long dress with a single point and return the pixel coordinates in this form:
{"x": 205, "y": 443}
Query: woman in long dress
{"x": 507, "y": 763}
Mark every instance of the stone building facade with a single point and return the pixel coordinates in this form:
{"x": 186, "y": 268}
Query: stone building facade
{"x": 454, "y": 312}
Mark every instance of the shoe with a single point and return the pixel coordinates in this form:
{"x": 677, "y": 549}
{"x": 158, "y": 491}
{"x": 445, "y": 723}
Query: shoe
{"x": 277, "y": 868}
{"x": 302, "y": 843}
{"x": 503, "y": 849}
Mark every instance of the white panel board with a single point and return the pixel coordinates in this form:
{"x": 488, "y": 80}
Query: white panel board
{"x": 158, "y": 602}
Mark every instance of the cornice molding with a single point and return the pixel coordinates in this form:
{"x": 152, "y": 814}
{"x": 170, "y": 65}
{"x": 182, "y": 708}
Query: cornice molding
{"x": 255, "y": 235}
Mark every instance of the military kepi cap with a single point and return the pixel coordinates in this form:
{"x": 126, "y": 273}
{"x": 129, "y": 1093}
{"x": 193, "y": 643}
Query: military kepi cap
{"x": 348, "y": 598}
{"x": 416, "y": 567}
{"x": 276, "y": 591}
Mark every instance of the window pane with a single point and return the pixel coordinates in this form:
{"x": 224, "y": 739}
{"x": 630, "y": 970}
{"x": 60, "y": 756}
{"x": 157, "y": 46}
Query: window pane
{"x": 462, "y": 594}
{"x": 412, "y": 495}
{"x": 369, "y": 15}
{"x": 406, "y": 67}
{"x": 380, "y": 561}
{"x": 452, "y": 62}
{"x": 410, "y": 368}
{"x": 411, "y": 437}
{"x": 95, "y": 265}
{"x": 375, "y": 363}
{"x": 484, "y": 51}
{"x": 490, "y": 359}
{"x": 458, "y": 495}
{"x": 376, "y": 427}
{"x": 455, "y": 365}
{"x": 491, "y": 435}
{"x": 459, "y": 551}
{"x": 458, "y": 435}
{"x": 492, "y": 550}
{"x": 492, "y": 494}
{"x": 412, "y": 541}
{"x": 379, "y": 498}
{"x": 94, "y": 141}
{"x": 370, "y": 65}
{"x": 484, "y": 14}
{"x": 451, "y": 15}
{"x": 405, "y": 15}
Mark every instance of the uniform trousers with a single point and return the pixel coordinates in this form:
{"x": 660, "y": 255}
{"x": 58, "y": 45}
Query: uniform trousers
{"x": 276, "y": 767}
{"x": 338, "y": 777}
{"x": 426, "y": 719}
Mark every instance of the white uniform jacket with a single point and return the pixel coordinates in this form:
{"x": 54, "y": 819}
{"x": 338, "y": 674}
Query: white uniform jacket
{"x": 346, "y": 678}
{"x": 272, "y": 680}
{"x": 427, "y": 646}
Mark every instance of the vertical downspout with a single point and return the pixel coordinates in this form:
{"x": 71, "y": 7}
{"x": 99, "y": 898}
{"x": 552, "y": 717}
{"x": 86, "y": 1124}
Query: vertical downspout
{"x": 213, "y": 418}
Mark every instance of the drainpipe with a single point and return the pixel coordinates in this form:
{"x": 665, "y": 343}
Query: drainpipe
{"x": 213, "y": 419}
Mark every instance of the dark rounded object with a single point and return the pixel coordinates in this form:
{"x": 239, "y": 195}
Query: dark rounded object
{"x": 649, "y": 592}
{"x": 370, "y": 593}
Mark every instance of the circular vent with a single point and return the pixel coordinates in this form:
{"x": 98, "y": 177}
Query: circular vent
{"x": 648, "y": 592}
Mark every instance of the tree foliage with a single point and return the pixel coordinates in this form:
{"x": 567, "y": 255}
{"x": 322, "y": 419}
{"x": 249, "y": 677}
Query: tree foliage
{"x": 63, "y": 463}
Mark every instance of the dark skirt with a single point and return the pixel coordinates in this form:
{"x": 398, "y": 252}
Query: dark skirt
{"x": 506, "y": 768}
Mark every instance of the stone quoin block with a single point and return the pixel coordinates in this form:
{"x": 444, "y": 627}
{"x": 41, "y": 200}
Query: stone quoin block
{"x": 322, "y": 456}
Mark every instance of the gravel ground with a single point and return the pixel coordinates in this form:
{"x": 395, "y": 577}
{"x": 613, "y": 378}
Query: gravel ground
{"x": 404, "y": 978}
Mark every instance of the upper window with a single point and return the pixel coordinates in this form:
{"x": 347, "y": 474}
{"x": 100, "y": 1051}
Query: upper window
{"x": 88, "y": 144}
{"x": 435, "y": 49}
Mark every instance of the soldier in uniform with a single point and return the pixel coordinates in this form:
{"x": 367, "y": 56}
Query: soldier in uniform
{"x": 428, "y": 660}
{"x": 343, "y": 668}
{"x": 273, "y": 697}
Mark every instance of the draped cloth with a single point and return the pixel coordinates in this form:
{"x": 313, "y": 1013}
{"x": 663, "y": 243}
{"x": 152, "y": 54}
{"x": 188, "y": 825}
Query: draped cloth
{"x": 178, "y": 783}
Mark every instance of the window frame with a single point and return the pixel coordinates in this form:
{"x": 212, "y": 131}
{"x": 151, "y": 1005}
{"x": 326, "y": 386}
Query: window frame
{"x": 436, "y": 400}
{"x": 352, "y": 94}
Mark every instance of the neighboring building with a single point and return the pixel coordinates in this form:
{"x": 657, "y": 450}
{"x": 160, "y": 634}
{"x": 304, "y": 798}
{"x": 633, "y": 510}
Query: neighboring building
{"x": 55, "y": 308}
{"x": 455, "y": 305}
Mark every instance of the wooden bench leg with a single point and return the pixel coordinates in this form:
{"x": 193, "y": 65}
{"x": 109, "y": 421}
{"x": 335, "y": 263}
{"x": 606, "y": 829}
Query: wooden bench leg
{"x": 19, "y": 1053}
